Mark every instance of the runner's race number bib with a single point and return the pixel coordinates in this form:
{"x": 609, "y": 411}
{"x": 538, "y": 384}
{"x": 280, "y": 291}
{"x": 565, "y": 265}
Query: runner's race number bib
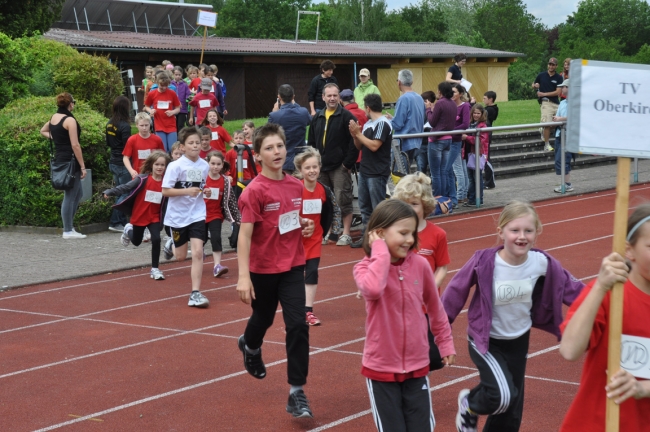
{"x": 215, "y": 136}
{"x": 516, "y": 291}
{"x": 312, "y": 206}
{"x": 153, "y": 197}
{"x": 194, "y": 175}
{"x": 244, "y": 163}
{"x": 635, "y": 355}
{"x": 205, "y": 103}
{"x": 143, "y": 154}
{"x": 162, "y": 105}
{"x": 289, "y": 221}
{"x": 214, "y": 194}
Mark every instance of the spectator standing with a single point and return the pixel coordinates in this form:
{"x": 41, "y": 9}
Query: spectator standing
{"x": 409, "y": 114}
{"x": 565, "y": 73}
{"x": 492, "y": 111}
{"x": 547, "y": 95}
{"x": 456, "y": 170}
{"x": 317, "y": 86}
{"x": 118, "y": 131}
{"x": 294, "y": 119}
{"x": 329, "y": 133}
{"x": 422, "y": 157}
{"x": 454, "y": 74}
{"x": 442, "y": 117}
{"x": 560, "y": 116}
{"x": 365, "y": 87}
{"x": 348, "y": 101}
{"x": 374, "y": 142}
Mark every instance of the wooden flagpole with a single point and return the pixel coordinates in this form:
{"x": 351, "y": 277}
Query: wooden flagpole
{"x": 616, "y": 302}
{"x": 205, "y": 35}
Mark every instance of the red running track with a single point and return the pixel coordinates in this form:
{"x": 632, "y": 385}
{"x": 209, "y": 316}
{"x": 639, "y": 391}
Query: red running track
{"x": 121, "y": 352}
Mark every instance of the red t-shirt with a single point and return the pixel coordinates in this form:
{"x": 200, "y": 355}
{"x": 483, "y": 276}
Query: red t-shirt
{"x": 138, "y": 149}
{"x": 220, "y": 137}
{"x": 231, "y": 158}
{"x": 202, "y": 108}
{"x": 146, "y": 212}
{"x": 587, "y": 412}
{"x": 195, "y": 84}
{"x": 313, "y": 244}
{"x": 161, "y": 102}
{"x": 213, "y": 204}
{"x": 433, "y": 245}
{"x": 204, "y": 153}
{"x": 267, "y": 204}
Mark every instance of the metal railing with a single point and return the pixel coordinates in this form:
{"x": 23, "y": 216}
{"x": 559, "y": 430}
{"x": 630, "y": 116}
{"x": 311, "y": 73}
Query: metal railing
{"x": 477, "y": 146}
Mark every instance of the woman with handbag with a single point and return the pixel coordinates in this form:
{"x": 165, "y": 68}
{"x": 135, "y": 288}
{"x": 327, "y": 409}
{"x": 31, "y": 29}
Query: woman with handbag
{"x": 67, "y": 164}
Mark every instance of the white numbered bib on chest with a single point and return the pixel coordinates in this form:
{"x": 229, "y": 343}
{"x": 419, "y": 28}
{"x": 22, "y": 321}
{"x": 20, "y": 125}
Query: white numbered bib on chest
{"x": 215, "y": 136}
{"x": 244, "y": 163}
{"x": 153, "y": 197}
{"x": 204, "y": 103}
{"x": 289, "y": 221}
{"x": 312, "y": 206}
{"x": 143, "y": 154}
{"x": 515, "y": 291}
{"x": 162, "y": 105}
{"x": 214, "y": 194}
{"x": 194, "y": 175}
{"x": 635, "y": 355}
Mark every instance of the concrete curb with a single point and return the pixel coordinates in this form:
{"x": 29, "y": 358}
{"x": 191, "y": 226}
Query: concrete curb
{"x": 84, "y": 229}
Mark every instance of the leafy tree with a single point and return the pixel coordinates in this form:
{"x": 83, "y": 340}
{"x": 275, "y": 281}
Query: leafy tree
{"x": 426, "y": 20}
{"x": 358, "y": 20}
{"x": 264, "y": 19}
{"x": 26, "y": 17}
{"x": 13, "y": 67}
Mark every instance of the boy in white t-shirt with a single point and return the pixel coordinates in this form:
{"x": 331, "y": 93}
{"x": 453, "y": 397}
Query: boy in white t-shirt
{"x": 185, "y": 217}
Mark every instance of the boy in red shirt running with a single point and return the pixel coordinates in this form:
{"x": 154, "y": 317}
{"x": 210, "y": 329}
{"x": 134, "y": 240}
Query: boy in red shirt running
{"x": 202, "y": 102}
{"x": 272, "y": 227}
{"x": 139, "y": 146}
{"x": 163, "y": 105}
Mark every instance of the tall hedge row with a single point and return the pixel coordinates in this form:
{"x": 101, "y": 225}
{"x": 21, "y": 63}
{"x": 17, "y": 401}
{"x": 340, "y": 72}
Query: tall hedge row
{"x": 26, "y": 196}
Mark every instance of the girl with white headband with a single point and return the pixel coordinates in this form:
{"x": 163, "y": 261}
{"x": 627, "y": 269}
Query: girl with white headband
{"x": 586, "y": 328}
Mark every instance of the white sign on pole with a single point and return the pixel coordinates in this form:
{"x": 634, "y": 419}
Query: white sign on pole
{"x": 608, "y": 106}
{"x": 207, "y": 19}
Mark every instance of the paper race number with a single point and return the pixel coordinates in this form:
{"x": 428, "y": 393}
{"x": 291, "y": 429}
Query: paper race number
{"x": 635, "y": 355}
{"x": 244, "y": 163}
{"x": 143, "y": 154}
{"x": 289, "y": 221}
{"x": 163, "y": 105}
{"x": 194, "y": 175}
{"x": 214, "y": 193}
{"x": 205, "y": 103}
{"x": 312, "y": 206}
{"x": 509, "y": 292}
{"x": 153, "y": 197}
{"x": 215, "y": 136}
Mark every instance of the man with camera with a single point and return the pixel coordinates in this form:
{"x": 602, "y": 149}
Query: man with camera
{"x": 294, "y": 120}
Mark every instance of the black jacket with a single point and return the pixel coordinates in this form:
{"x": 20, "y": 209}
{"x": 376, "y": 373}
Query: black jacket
{"x": 339, "y": 146}
{"x": 315, "y": 92}
{"x": 116, "y": 137}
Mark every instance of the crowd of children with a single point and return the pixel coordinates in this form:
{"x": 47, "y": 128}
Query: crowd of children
{"x": 186, "y": 185}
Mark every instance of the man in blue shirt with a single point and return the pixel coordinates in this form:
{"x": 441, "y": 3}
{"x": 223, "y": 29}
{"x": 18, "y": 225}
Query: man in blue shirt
{"x": 409, "y": 114}
{"x": 294, "y": 120}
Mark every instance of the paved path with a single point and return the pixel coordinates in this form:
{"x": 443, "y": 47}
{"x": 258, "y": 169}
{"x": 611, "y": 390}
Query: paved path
{"x": 28, "y": 259}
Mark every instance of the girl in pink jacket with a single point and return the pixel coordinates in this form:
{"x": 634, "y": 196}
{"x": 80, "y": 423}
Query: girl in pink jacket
{"x": 396, "y": 283}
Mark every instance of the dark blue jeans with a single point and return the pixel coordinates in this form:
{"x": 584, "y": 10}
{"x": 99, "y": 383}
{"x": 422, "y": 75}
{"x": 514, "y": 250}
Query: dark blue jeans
{"x": 422, "y": 158}
{"x": 120, "y": 176}
{"x": 454, "y": 155}
{"x": 372, "y": 191}
{"x": 438, "y": 159}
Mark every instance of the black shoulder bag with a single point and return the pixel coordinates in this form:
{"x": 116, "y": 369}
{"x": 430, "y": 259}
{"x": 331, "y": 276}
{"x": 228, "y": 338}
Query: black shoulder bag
{"x": 62, "y": 174}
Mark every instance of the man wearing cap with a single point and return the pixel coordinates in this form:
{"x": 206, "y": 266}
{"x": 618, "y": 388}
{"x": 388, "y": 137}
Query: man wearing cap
{"x": 315, "y": 93}
{"x": 364, "y": 88}
{"x": 547, "y": 95}
{"x": 202, "y": 102}
{"x": 349, "y": 103}
{"x": 561, "y": 116}
{"x": 409, "y": 115}
{"x": 294, "y": 120}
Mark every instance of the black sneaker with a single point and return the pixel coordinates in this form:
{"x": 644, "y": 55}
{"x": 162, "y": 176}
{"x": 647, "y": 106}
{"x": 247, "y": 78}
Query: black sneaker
{"x": 298, "y": 405}
{"x": 252, "y": 362}
{"x": 357, "y": 244}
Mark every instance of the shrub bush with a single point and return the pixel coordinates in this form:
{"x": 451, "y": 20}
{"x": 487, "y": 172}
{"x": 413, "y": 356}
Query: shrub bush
{"x": 26, "y": 195}
{"x": 13, "y": 70}
{"x": 40, "y": 54}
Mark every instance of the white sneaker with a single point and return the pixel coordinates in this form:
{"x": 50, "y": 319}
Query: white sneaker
{"x": 198, "y": 300}
{"x": 125, "y": 235}
{"x": 156, "y": 274}
{"x": 146, "y": 236}
{"x": 548, "y": 148}
{"x": 73, "y": 235}
{"x": 344, "y": 240}
{"x": 168, "y": 250}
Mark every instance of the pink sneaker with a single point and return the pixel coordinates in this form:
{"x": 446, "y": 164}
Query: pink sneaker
{"x": 219, "y": 270}
{"x": 311, "y": 319}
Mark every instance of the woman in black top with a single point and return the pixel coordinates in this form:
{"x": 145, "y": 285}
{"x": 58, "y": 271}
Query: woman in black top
{"x": 65, "y": 132}
{"x": 454, "y": 74}
{"x": 118, "y": 131}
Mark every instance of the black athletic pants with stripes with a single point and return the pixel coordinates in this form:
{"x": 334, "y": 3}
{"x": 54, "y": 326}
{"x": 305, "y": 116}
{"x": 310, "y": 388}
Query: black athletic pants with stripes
{"x": 288, "y": 288}
{"x": 136, "y": 235}
{"x": 401, "y": 407}
{"x": 500, "y": 393}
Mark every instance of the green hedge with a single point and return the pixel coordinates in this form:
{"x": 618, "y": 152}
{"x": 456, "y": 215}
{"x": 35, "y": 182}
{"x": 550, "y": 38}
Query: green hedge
{"x": 26, "y": 196}
{"x": 13, "y": 70}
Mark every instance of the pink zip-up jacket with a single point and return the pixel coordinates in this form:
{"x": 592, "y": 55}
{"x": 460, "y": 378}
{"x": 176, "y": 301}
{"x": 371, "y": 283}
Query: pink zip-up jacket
{"x": 396, "y": 327}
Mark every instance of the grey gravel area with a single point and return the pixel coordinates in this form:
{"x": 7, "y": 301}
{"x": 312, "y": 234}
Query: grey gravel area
{"x": 29, "y": 258}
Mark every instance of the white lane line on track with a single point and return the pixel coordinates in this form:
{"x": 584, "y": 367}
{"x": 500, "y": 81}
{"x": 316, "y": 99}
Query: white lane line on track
{"x": 184, "y": 389}
{"x": 438, "y": 387}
